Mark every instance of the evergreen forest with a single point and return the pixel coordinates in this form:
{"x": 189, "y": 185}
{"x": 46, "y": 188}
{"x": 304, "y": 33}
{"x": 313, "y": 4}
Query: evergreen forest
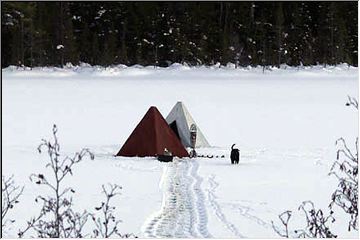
{"x": 196, "y": 33}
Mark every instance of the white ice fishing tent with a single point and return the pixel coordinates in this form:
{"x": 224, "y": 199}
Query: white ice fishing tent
{"x": 180, "y": 120}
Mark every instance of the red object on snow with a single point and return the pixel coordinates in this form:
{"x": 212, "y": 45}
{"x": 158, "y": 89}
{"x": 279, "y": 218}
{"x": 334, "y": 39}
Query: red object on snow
{"x": 151, "y": 136}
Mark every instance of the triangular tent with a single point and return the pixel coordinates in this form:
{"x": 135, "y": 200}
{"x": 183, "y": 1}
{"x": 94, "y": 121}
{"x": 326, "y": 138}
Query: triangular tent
{"x": 151, "y": 136}
{"x": 180, "y": 120}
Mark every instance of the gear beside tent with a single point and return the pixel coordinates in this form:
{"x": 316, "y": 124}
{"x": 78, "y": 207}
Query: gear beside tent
{"x": 151, "y": 136}
{"x": 180, "y": 120}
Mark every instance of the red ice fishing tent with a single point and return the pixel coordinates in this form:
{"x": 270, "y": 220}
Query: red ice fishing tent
{"x": 151, "y": 136}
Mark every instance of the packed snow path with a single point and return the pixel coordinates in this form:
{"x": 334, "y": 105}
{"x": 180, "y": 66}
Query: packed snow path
{"x": 183, "y": 214}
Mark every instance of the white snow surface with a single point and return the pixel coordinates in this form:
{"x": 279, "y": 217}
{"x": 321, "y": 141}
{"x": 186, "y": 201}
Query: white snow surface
{"x": 284, "y": 121}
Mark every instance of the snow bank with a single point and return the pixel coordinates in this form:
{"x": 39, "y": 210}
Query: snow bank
{"x": 138, "y": 71}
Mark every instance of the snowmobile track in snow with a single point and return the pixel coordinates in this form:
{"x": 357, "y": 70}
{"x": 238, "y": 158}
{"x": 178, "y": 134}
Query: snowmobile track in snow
{"x": 182, "y": 214}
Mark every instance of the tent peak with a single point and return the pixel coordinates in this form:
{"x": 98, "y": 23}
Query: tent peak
{"x": 180, "y": 121}
{"x": 153, "y": 108}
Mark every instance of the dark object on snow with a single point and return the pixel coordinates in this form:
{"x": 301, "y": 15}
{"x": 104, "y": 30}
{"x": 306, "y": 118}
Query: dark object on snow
{"x": 193, "y": 153}
{"x": 165, "y": 158}
{"x": 193, "y": 131}
{"x": 210, "y": 156}
{"x": 235, "y": 155}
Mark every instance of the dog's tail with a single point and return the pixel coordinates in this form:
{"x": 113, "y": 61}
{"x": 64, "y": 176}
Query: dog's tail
{"x": 232, "y": 146}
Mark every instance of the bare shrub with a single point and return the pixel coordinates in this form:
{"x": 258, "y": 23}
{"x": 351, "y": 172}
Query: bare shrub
{"x": 316, "y": 223}
{"x": 107, "y": 225}
{"x": 284, "y": 218}
{"x": 57, "y": 218}
{"x": 10, "y": 194}
{"x": 345, "y": 169}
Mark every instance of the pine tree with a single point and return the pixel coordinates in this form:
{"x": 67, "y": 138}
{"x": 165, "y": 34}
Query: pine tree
{"x": 279, "y": 28}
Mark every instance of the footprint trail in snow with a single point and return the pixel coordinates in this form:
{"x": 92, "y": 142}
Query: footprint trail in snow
{"x": 217, "y": 209}
{"x": 182, "y": 214}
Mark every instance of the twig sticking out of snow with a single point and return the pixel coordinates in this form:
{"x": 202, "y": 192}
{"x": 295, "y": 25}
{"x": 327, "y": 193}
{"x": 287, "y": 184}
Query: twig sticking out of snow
{"x": 107, "y": 226}
{"x": 10, "y": 194}
{"x": 316, "y": 223}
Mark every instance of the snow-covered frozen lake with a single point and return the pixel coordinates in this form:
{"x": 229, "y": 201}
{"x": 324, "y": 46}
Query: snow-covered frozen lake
{"x": 285, "y": 123}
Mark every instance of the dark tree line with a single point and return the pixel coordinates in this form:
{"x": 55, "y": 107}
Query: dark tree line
{"x": 161, "y": 33}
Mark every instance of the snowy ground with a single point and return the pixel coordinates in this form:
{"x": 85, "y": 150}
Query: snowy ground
{"x": 285, "y": 123}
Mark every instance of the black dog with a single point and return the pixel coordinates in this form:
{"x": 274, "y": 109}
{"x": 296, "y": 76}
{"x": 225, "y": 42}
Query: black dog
{"x": 235, "y": 155}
